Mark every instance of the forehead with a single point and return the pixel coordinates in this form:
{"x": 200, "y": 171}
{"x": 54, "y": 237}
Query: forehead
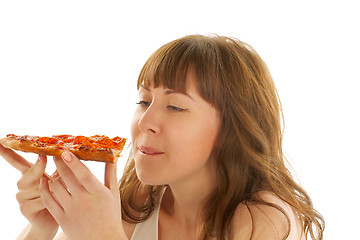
{"x": 182, "y": 81}
{"x": 187, "y": 85}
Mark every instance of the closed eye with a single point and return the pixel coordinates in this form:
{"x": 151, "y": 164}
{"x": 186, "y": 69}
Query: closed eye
{"x": 175, "y": 109}
{"x": 144, "y": 104}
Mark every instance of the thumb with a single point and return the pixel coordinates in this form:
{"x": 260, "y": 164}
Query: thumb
{"x": 110, "y": 180}
{"x": 38, "y": 170}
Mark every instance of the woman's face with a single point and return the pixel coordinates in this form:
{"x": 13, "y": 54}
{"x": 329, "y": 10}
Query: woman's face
{"x": 173, "y": 135}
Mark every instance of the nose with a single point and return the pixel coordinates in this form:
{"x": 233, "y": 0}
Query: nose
{"x": 149, "y": 121}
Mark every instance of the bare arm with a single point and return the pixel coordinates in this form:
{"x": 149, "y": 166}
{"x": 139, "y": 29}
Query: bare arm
{"x": 258, "y": 221}
{"x": 29, "y": 233}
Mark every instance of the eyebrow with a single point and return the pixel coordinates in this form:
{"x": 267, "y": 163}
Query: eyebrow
{"x": 168, "y": 92}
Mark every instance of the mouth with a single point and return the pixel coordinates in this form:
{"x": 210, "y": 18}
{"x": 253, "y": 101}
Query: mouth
{"x": 149, "y": 150}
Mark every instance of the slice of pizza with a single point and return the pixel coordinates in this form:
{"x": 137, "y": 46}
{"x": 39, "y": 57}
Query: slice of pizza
{"x": 94, "y": 148}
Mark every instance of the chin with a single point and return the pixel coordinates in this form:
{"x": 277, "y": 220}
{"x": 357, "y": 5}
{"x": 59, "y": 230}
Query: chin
{"x": 150, "y": 180}
{"x": 150, "y": 172}
{"x": 149, "y": 176}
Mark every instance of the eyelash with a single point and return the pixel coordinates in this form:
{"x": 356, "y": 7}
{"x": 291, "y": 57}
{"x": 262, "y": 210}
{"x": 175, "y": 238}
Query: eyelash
{"x": 146, "y": 104}
{"x": 143, "y": 103}
{"x": 176, "y": 109}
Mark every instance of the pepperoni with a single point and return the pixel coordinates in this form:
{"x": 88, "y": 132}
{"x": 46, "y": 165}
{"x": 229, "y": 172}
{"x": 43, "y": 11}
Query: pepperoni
{"x": 93, "y": 143}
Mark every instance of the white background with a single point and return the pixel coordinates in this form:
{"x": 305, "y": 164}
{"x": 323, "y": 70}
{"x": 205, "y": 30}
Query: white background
{"x": 71, "y": 67}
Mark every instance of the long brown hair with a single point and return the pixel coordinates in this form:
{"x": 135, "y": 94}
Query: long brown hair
{"x": 235, "y": 80}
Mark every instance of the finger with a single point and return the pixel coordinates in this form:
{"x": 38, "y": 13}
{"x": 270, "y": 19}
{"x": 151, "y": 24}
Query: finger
{"x": 110, "y": 177}
{"x": 15, "y": 159}
{"x": 33, "y": 175}
{"x": 50, "y": 203}
{"x": 55, "y": 174}
{"x": 60, "y": 193}
{"x": 68, "y": 176}
{"x": 82, "y": 173}
{"x": 26, "y": 195}
{"x": 32, "y": 206}
{"x": 38, "y": 170}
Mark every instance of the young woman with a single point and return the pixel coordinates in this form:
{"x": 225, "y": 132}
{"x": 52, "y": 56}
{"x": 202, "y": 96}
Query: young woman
{"x": 206, "y": 159}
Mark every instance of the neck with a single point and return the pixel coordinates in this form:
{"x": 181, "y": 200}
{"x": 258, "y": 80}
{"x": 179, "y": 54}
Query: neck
{"x": 185, "y": 200}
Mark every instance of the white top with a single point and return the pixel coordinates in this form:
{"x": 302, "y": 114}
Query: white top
{"x": 148, "y": 230}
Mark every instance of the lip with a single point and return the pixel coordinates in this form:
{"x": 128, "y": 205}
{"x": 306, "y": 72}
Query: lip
{"x": 149, "y": 150}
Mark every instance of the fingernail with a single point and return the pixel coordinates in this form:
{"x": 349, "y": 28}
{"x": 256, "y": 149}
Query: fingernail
{"x": 55, "y": 179}
{"x": 41, "y": 158}
{"x": 66, "y": 156}
{"x": 42, "y": 180}
{"x": 55, "y": 174}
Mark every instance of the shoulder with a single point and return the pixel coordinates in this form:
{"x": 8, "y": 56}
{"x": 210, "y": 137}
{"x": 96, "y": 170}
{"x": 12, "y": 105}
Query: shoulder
{"x": 262, "y": 221}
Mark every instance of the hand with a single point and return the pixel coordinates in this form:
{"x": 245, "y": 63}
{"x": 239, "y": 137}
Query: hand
{"x": 85, "y": 209}
{"x": 42, "y": 222}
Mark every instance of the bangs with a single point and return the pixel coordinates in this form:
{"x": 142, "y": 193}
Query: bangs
{"x": 169, "y": 65}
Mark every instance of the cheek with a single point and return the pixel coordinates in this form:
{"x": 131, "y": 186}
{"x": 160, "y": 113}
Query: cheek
{"x": 195, "y": 144}
{"x": 134, "y": 130}
{"x": 134, "y": 126}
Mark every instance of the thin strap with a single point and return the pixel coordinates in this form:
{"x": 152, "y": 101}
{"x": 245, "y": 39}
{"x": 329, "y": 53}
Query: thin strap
{"x": 148, "y": 230}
